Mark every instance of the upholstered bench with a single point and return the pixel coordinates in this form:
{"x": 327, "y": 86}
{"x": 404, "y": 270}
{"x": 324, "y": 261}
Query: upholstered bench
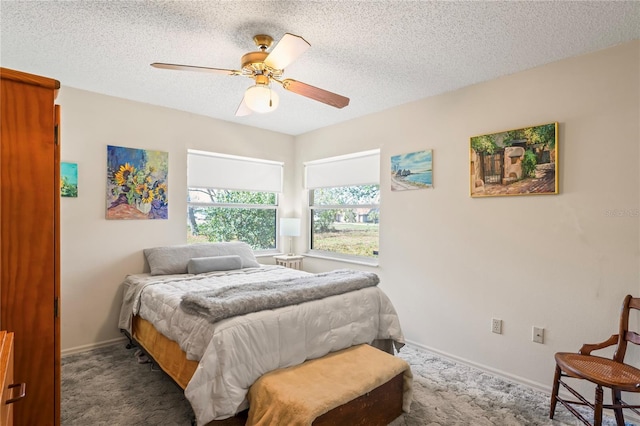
{"x": 360, "y": 385}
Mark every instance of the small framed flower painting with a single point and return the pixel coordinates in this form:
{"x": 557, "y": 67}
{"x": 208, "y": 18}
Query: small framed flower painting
{"x": 137, "y": 183}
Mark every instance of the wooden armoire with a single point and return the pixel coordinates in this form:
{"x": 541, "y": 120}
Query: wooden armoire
{"x": 30, "y": 240}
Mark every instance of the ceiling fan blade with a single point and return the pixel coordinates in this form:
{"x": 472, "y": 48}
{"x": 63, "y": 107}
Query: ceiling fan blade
{"x": 194, "y": 68}
{"x": 286, "y": 51}
{"x": 315, "y": 93}
{"x": 243, "y": 109}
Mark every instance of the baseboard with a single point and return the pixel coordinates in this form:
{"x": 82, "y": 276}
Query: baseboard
{"x": 510, "y": 377}
{"x": 90, "y": 346}
{"x": 546, "y": 389}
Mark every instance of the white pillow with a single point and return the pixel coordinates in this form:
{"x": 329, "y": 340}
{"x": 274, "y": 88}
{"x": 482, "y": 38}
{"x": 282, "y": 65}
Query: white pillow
{"x": 200, "y": 265}
{"x": 174, "y": 259}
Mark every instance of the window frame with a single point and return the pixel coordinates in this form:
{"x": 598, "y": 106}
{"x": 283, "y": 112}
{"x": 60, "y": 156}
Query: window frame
{"x": 354, "y": 169}
{"x": 226, "y": 158}
{"x": 275, "y": 207}
{"x": 333, "y": 255}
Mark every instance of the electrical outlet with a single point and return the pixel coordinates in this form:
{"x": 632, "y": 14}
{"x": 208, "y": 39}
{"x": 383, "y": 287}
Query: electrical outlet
{"x": 538, "y": 335}
{"x": 496, "y": 325}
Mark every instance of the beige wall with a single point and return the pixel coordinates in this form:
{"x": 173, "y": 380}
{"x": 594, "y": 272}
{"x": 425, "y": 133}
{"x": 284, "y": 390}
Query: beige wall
{"x": 450, "y": 263}
{"x": 96, "y": 254}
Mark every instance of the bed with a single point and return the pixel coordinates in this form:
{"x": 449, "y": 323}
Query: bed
{"x": 216, "y": 360}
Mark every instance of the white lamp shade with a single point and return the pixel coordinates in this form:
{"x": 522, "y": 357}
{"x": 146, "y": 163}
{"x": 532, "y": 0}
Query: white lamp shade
{"x": 290, "y": 227}
{"x": 260, "y": 98}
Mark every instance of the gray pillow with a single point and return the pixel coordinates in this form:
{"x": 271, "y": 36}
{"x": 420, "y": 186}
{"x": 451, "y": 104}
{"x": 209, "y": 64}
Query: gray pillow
{"x": 200, "y": 265}
{"x": 174, "y": 259}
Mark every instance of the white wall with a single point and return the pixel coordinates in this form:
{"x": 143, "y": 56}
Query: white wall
{"x": 450, "y": 263}
{"x": 97, "y": 254}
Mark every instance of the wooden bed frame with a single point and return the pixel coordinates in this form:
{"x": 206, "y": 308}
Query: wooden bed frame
{"x": 164, "y": 351}
{"x": 377, "y": 408}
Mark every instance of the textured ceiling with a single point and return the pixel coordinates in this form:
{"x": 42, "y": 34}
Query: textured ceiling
{"x": 380, "y": 54}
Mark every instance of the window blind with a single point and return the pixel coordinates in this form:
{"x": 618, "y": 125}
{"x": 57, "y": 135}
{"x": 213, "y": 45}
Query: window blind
{"x": 221, "y": 171}
{"x": 361, "y": 168}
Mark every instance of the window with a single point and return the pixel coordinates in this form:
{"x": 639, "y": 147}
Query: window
{"x": 345, "y": 220}
{"x": 232, "y": 198}
{"x": 344, "y": 205}
{"x": 226, "y": 215}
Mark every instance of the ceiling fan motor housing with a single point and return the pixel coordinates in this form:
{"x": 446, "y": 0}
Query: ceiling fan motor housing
{"x": 253, "y": 65}
{"x": 254, "y": 61}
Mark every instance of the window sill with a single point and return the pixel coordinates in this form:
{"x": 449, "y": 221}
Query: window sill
{"x": 266, "y": 253}
{"x": 366, "y": 262}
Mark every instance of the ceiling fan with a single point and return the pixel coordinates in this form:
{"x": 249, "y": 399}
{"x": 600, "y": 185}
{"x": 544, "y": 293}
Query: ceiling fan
{"x": 266, "y": 67}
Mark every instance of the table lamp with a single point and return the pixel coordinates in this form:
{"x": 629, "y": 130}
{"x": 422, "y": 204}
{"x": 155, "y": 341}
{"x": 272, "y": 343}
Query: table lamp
{"x": 290, "y": 227}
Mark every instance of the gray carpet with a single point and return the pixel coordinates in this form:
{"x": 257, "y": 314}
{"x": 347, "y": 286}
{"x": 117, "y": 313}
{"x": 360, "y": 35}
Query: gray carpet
{"x": 108, "y": 386}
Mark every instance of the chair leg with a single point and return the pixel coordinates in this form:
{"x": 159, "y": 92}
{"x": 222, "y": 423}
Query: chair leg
{"x": 597, "y": 411}
{"x": 554, "y": 392}
{"x": 616, "y": 397}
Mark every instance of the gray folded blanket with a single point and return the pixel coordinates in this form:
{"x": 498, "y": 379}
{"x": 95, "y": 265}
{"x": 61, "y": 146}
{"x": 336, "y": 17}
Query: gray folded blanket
{"x": 216, "y": 305}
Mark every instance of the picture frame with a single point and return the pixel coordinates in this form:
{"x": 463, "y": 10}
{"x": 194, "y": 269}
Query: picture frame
{"x": 411, "y": 171}
{"x": 68, "y": 179}
{"x": 137, "y": 182}
{"x": 515, "y": 162}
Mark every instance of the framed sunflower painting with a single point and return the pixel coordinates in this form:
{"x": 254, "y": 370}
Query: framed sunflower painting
{"x": 137, "y": 183}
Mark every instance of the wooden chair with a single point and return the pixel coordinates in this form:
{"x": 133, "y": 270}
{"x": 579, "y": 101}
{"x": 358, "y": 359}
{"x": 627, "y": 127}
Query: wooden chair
{"x": 613, "y": 373}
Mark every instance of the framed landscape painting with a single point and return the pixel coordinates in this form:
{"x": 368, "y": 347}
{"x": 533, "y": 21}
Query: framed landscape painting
{"x": 412, "y": 171}
{"x": 136, "y": 183}
{"x": 68, "y": 179}
{"x": 515, "y": 162}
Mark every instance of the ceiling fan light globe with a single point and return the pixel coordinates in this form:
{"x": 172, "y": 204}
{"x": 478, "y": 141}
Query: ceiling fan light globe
{"x": 261, "y": 98}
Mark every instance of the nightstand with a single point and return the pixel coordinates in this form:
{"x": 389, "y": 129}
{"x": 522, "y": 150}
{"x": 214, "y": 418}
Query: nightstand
{"x": 293, "y": 262}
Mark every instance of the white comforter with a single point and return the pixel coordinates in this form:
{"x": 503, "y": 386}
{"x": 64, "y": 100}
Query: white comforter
{"x": 235, "y": 352}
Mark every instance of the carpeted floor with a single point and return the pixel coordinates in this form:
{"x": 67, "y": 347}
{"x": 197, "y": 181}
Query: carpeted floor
{"x": 108, "y": 386}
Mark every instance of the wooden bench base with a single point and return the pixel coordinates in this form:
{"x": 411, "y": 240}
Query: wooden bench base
{"x": 379, "y": 407}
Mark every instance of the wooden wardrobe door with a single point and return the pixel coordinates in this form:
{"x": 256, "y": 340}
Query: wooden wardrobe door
{"x": 29, "y": 173}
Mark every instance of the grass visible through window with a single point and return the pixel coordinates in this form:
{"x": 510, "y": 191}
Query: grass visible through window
{"x": 359, "y": 239}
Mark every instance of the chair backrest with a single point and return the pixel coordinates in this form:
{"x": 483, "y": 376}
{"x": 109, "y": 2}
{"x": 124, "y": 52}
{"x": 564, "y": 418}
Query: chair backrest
{"x": 624, "y": 334}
